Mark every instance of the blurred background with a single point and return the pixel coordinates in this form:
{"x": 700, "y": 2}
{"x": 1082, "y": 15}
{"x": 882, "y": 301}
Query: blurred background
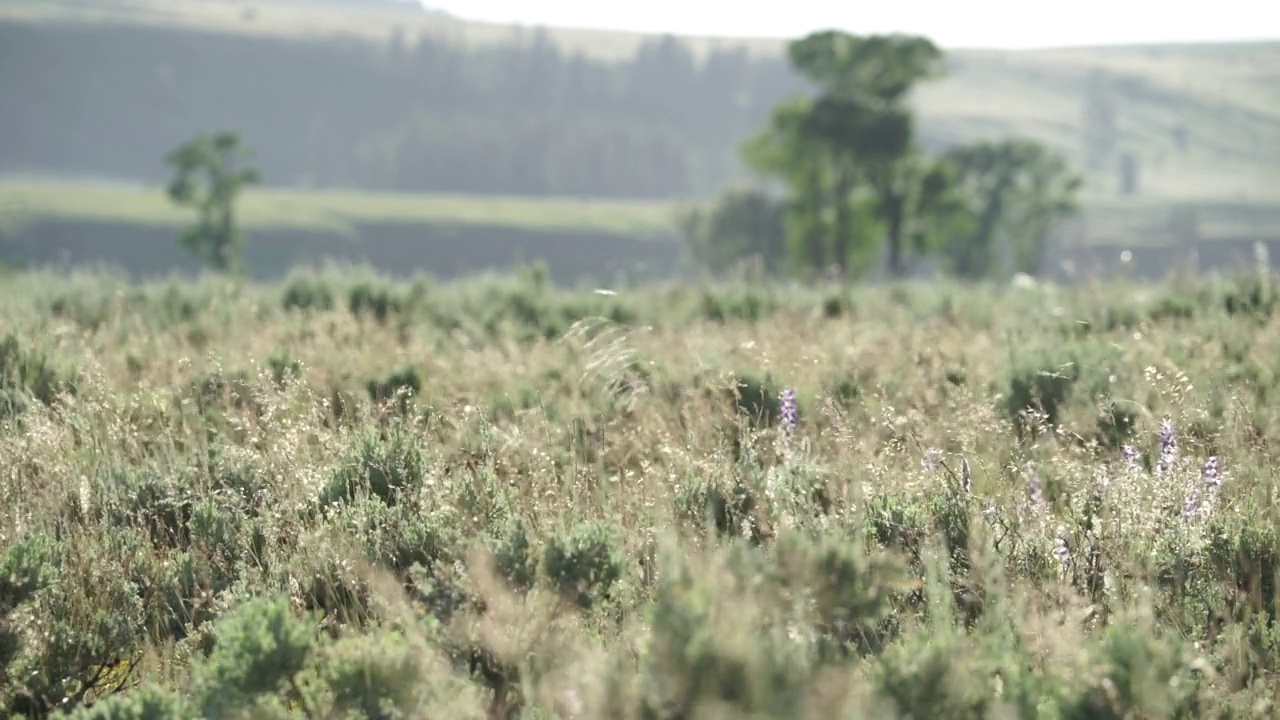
{"x": 636, "y": 142}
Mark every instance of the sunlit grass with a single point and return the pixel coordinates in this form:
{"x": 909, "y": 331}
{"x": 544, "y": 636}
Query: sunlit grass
{"x": 494, "y": 498}
{"x": 333, "y": 210}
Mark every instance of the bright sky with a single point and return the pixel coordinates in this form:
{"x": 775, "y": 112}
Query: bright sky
{"x": 1007, "y": 24}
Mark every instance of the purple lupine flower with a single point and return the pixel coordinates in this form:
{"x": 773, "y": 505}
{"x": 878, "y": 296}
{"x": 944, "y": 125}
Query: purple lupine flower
{"x": 1132, "y": 458}
{"x": 790, "y": 414}
{"x": 1200, "y": 504}
{"x": 1168, "y": 445}
{"x": 1210, "y": 476}
{"x": 1062, "y": 552}
{"x": 1191, "y": 506}
{"x": 1102, "y": 481}
{"x": 1035, "y": 489}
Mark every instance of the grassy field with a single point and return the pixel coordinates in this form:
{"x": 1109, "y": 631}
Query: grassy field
{"x": 346, "y": 497}
{"x": 25, "y": 202}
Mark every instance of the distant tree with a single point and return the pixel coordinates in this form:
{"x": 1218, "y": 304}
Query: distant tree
{"x": 785, "y": 151}
{"x": 208, "y": 177}
{"x": 1015, "y": 190}
{"x": 743, "y": 223}
{"x": 850, "y": 149}
{"x": 936, "y": 209}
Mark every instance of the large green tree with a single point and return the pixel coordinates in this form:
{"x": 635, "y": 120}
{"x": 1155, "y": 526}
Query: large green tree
{"x": 1016, "y": 190}
{"x": 209, "y": 175}
{"x": 813, "y": 175}
{"x": 848, "y": 154}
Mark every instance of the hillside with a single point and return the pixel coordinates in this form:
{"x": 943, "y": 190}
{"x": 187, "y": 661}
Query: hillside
{"x": 408, "y": 100}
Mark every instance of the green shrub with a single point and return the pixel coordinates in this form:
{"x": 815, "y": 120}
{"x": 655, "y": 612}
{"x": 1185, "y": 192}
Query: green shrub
{"x": 406, "y": 380}
{"x": 25, "y": 371}
{"x": 515, "y": 556}
{"x": 260, "y": 649}
{"x": 758, "y": 399}
{"x": 384, "y": 467}
{"x": 1042, "y": 383}
{"x": 585, "y": 563}
{"x": 705, "y": 503}
{"x": 145, "y": 703}
{"x": 308, "y": 294}
{"x": 380, "y": 301}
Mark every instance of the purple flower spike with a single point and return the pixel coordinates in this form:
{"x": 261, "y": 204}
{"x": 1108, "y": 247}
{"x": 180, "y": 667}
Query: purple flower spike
{"x": 1062, "y": 552}
{"x": 1168, "y": 445}
{"x": 1191, "y": 507}
{"x": 1132, "y": 459}
{"x": 790, "y": 413}
{"x": 1035, "y": 490}
{"x": 1210, "y": 476}
{"x": 1200, "y": 504}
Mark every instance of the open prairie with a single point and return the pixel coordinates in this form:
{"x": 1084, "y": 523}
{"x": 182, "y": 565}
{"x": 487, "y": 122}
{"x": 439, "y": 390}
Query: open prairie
{"x": 341, "y": 494}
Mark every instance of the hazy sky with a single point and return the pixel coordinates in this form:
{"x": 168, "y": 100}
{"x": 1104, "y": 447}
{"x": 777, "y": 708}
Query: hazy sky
{"x": 950, "y": 23}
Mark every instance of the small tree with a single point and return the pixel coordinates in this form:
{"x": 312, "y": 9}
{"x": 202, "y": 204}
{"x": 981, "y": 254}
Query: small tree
{"x": 1017, "y": 190}
{"x": 742, "y": 223}
{"x": 213, "y": 158}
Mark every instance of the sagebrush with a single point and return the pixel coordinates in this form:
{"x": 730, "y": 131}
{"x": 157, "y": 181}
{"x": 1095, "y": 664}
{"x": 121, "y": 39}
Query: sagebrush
{"x": 352, "y": 497}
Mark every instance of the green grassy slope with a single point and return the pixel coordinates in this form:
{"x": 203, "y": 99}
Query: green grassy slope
{"x": 22, "y": 203}
{"x": 1226, "y": 96}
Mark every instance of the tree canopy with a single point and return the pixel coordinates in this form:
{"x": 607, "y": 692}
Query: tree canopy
{"x": 208, "y": 176}
{"x": 857, "y": 184}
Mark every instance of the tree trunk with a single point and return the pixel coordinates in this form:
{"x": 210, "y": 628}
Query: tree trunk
{"x": 814, "y": 237}
{"x": 894, "y": 212}
{"x": 843, "y": 223}
{"x": 981, "y": 258}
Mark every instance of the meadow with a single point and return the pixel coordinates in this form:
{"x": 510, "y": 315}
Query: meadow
{"x": 344, "y": 496}
{"x": 24, "y": 202}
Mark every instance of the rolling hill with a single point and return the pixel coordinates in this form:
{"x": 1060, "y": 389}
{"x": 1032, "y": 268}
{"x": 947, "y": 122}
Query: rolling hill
{"x": 1202, "y": 121}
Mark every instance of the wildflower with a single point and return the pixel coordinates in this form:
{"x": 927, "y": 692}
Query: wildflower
{"x": 1209, "y": 475}
{"x": 790, "y": 414}
{"x": 85, "y": 496}
{"x": 1200, "y": 504}
{"x": 1102, "y": 482}
{"x": 1191, "y": 506}
{"x": 1132, "y": 458}
{"x": 1035, "y": 489}
{"x": 966, "y": 477}
{"x": 1168, "y": 445}
{"x": 1062, "y": 552}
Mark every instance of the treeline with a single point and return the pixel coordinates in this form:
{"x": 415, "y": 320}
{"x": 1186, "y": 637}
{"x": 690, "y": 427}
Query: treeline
{"x": 856, "y": 181}
{"x": 432, "y": 115}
